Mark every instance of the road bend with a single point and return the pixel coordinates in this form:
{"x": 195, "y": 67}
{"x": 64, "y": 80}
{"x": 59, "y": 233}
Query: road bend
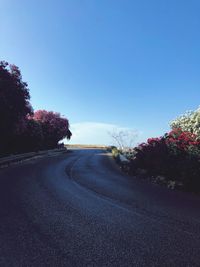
{"x": 79, "y": 209}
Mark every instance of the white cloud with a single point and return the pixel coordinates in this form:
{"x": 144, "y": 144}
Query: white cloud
{"x": 96, "y": 133}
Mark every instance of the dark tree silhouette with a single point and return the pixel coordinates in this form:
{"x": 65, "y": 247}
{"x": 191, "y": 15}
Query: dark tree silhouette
{"x": 31, "y": 138}
{"x": 14, "y": 105}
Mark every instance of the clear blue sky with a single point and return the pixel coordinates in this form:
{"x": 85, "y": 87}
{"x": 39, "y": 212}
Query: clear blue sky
{"x": 104, "y": 63}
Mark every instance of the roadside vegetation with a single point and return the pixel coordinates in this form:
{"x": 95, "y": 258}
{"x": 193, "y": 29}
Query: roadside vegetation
{"x": 172, "y": 159}
{"x": 22, "y": 129}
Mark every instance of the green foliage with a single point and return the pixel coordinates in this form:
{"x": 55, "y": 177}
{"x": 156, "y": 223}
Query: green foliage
{"x": 115, "y": 152}
{"x": 109, "y": 148}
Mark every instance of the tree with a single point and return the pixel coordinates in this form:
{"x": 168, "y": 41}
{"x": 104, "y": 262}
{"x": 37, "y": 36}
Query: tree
{"x": 14, "y": 104}
{"x": 54, "y": 127}
{"x": 31, "y": 139}
{"x": 21, "y": 129}
{"x": 123, "y": 138}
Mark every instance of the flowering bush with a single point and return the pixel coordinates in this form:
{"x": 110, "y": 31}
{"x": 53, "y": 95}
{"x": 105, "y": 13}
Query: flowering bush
{"x": 20, "y": 129}
{"x": 190, "y": 122}
{"x": 151, "y": 155}
{"x": 176, "y": 156}
{"x": 181, "y": 142}
{"x": 54, "y": 127}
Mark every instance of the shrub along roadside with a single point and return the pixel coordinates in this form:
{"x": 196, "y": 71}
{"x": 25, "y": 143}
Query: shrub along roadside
{"x": 173, "y": 160}
{"x": 190, "y": 121}
{"x": 21, "y": 129}
{"x": 115, "y": 153}
{"x": 120, "y": 158}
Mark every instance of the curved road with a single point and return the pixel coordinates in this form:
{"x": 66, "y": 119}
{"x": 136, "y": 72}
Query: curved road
{"x": 78, "y": 209}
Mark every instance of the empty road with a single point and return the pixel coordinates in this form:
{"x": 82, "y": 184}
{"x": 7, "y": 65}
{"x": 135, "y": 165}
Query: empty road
{"x": 79, "y": 209}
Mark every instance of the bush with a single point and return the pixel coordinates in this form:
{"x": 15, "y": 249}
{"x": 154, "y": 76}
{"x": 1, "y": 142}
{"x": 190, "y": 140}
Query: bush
{"x": 183, "y": 142}
{"x": 32, "y": 138}
{"x": 176, "y": 156}
{"x": 22, "y": 130}
{"x": 151, "y": 156}
{"x": 190, "y": 122}
{"x": 115, "y": 154}
{"x": 54, "y": 127}
{"x": 110, "y": 148}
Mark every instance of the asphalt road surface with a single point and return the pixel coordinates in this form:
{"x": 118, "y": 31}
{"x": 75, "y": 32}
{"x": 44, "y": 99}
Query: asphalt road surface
{"x": 78, "y": 209}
